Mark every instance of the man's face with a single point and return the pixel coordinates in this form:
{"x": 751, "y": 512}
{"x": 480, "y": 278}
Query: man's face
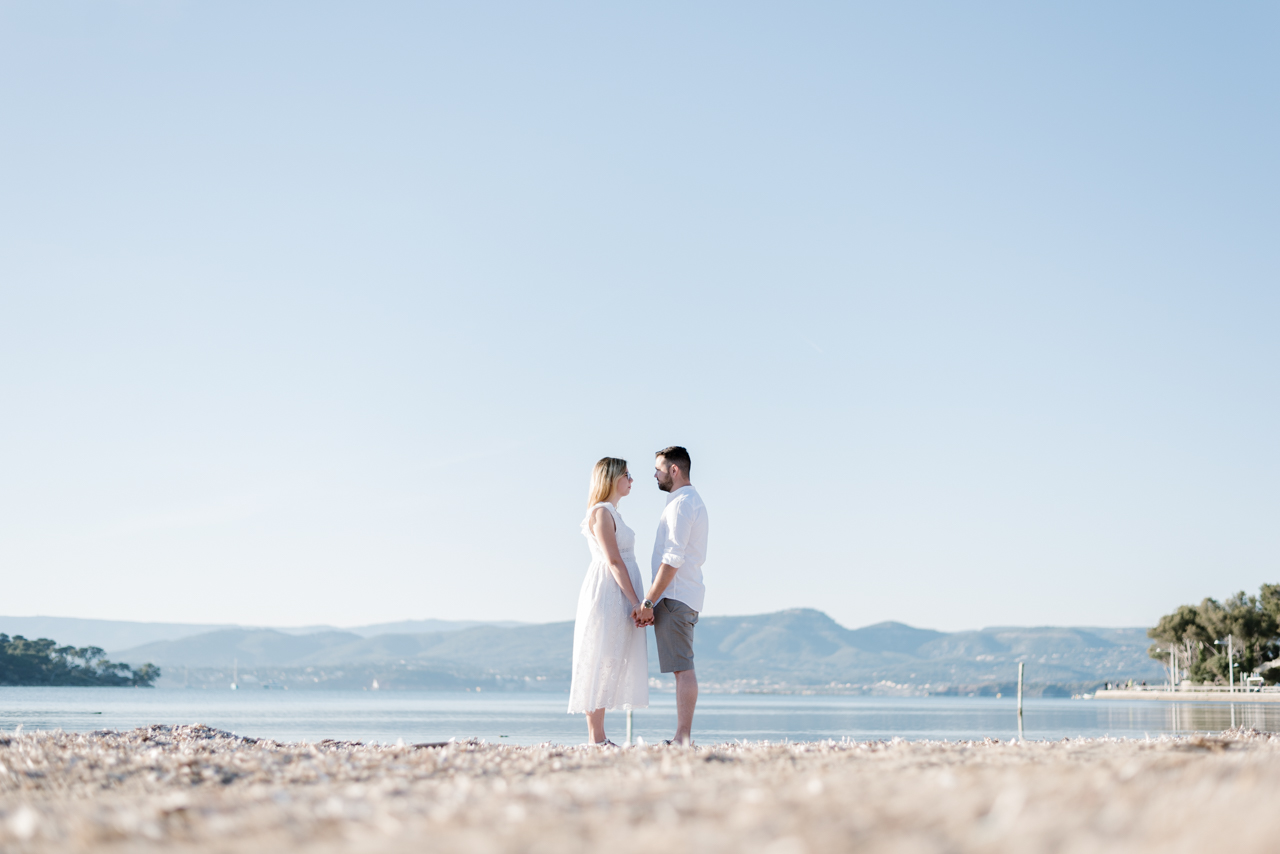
{"x": 662, "y": 474}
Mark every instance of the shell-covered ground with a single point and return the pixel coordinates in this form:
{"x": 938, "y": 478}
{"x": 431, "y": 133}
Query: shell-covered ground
{"x": 192, "y": 788}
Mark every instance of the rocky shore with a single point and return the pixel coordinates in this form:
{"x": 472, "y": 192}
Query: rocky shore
{"x": 192, "y": 788}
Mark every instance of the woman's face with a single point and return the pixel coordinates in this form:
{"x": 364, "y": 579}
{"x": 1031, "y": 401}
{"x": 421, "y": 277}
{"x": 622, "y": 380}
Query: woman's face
{"x": 623, "y": 485}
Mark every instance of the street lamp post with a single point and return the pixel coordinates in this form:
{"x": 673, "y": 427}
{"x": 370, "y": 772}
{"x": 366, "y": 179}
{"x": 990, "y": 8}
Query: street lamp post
{"x": 1231, "y": 662}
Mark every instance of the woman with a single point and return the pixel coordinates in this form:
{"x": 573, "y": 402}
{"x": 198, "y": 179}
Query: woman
{"x": 610, "y": 658}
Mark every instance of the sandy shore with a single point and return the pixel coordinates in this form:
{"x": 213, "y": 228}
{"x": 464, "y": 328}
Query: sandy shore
{"x": 198, "y": 789}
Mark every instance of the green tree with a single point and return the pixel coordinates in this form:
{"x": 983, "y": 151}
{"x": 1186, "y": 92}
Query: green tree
{"x": 43, "y": 662}
{"x": 1184, "y": 630}
{"x": 1269, "y": 600}
{"x": 145, "y": 675}
{"x": 1252, "y": 630}
{"x": 1252, "y": 623}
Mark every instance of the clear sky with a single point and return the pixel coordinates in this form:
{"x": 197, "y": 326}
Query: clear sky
{"x": 969, "y": 314}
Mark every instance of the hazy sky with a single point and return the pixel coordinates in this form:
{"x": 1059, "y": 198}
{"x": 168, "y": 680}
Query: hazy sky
{"x": 969, "y": 314}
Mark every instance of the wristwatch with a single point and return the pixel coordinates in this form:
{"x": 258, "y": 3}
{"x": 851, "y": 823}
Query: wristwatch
{"x": 647, "y": 605}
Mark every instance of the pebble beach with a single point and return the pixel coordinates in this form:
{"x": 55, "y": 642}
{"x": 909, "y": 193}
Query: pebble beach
{"x": 197, "y": 789}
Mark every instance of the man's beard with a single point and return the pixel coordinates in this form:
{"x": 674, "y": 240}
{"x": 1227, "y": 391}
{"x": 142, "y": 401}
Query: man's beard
{"x": 665, "y": 484}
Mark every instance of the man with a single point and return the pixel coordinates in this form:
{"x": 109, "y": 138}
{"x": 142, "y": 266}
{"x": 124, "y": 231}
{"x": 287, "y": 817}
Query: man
{"x": 675, "y": 598}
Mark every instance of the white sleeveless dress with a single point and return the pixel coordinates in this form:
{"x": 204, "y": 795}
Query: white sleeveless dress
{"x": 610, "y": 656}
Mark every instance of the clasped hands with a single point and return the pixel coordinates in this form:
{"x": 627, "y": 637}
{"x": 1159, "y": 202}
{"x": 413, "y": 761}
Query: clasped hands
{"x": 642, "y": 616}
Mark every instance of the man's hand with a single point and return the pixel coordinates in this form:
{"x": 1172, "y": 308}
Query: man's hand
{"x": 644, "y": 616}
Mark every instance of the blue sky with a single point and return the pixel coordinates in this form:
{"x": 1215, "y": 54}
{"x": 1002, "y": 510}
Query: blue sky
{"x": 322, "y": 312}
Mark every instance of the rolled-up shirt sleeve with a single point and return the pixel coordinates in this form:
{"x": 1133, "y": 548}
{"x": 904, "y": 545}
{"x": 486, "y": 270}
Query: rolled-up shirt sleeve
{"x": 679, "y": 530}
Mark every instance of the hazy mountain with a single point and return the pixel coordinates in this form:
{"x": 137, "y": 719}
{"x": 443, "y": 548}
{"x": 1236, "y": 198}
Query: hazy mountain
{"x": 797, "y": 647}
{"x": 106, "y": 634}
{"x": 413, "y": 627}
{"x": 892, "y": 637}
{"x": 248, "y": 647}
{"x": 403, "y": 627}
{"x": 522, "y": 648}
{"x": 808, "y": 646}
{"x": 114, "y": 635}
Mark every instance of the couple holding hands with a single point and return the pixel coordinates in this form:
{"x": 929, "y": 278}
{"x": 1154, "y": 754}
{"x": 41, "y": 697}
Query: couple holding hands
{"x": 610, "y": 651}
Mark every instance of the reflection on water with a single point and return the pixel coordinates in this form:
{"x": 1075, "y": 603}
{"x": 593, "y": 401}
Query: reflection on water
{"x": 1199, "y": 717}
{"x": 532, "y": 718}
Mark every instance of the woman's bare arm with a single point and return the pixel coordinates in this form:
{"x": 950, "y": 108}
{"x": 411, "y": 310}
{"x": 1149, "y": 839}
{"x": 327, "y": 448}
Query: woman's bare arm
{"x": 603, "y": 526}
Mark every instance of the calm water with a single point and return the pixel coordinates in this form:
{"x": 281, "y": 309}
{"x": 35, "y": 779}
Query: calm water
{"x": 533, "y": 718}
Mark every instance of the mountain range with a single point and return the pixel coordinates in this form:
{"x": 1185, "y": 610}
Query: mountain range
{"x": 799, "y": 648}
{"x": 114, "y": 635}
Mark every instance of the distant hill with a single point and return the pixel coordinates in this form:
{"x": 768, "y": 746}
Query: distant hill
{"x": 805, "y": 645}
{"x": 411, "y": 627}
{"x": 521, "y": 648}
{"x": 110, "y": 635}
{"x": 250, "y": 647}
{"x": 403, "y": 627}
{"x": 795, "y": 647}
{"x": 114, "y": 635}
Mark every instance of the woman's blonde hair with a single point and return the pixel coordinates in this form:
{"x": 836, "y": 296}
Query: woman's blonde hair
{"x": 603, "y": 477}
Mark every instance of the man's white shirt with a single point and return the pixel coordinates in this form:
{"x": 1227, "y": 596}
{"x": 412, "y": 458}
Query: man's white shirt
{"x": 682, "y": 543}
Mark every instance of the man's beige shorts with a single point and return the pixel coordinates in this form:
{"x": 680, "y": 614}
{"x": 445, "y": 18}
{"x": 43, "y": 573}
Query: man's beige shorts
{"x": 673, "y": 624}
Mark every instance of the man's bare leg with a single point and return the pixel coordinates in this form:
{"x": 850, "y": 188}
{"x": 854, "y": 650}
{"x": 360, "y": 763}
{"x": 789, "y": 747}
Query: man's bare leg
{"x": 686, "y": 699}
{"x": 595, "y": 726}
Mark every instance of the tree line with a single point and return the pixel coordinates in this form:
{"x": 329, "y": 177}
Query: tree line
{"x": 1203, "y": 635}
{"x": 43, "y": 662}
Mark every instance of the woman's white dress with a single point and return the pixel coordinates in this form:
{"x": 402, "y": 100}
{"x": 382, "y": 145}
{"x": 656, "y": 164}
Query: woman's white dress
{"x": 610, "y": 655}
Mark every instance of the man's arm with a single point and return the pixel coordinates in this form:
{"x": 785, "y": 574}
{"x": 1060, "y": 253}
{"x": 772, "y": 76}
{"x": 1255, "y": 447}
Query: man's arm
{"x": 672, "y": 559}
{"x": 644, "y": 616}
{"x": 666, "y": 574}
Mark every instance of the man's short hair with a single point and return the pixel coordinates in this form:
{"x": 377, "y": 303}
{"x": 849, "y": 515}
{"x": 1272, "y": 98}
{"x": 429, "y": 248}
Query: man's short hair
{"x": 678, "y": 455}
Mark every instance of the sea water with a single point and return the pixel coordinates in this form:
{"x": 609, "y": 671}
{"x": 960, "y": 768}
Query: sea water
{"x": 533, "y": 718}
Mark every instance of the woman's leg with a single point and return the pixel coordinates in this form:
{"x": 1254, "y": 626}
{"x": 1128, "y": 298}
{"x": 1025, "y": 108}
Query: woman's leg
{"x": 595, "y": 726}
